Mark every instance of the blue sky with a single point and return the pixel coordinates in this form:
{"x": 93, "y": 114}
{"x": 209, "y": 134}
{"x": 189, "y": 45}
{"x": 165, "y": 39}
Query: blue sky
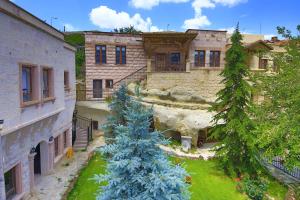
{"x": 254, "y": 16}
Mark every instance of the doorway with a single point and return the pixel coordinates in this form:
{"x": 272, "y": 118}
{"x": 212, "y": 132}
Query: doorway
{"x": 37, "y": 160}
{"x": 97, "y": 88}
{"x": 160, "y": 62}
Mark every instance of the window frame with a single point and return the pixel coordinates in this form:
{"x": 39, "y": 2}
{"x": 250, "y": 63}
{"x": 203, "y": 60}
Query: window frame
{"x": 120, "y": 57}
{"x": 17, "y": 181}
{"x": 34, "y": 78}
{"x": 100, "y": 54}
{"x": 197, "y": 62}
{"x": 106, "y": 83}
{"x": 173, "y": 54}
{"x": 263, "y": 63}
{"x": 213, "y": 62}
{"x": 66, "y": 80}
{"x": 50, "y": 72}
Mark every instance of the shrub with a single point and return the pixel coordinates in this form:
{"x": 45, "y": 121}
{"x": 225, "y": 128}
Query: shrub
{"x": 254, "y": 188}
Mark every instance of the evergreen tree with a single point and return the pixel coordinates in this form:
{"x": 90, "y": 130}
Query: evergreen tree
{"x": 118, "y": 105}
{"x": 139, "y": 169}
{"x": 129, "y": 30}
{"x": 232, "y": 124}
{"x": 278, "y": 117}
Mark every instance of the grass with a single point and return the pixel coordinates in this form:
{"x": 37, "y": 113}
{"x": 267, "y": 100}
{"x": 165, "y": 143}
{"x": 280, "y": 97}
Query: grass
{"x": 84, "y": 188}
{"x": 208, "y": 182}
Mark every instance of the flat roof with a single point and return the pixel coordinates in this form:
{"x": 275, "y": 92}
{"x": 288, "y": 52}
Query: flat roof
{"x": 21, "y": 14}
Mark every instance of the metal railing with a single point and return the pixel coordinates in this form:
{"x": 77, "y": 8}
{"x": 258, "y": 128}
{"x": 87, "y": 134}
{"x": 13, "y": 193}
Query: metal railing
{"x": 102, "y": 94}
{"x": 82, "y": 123}
{"x": 278, "y": 163}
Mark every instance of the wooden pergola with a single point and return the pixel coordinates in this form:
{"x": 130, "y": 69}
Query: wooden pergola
{"x": 160, "y": 45}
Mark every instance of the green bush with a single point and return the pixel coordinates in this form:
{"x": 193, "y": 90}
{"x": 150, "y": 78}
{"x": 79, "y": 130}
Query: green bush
{"x": 254, "y": 188}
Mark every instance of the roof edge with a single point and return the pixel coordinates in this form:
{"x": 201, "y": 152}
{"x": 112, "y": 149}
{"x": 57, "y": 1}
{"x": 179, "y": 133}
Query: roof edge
{"x": 21, "y": 14}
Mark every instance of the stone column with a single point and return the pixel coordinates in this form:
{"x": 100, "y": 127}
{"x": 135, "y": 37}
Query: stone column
{"x": 2, "y": 184}
{"x": 51, "y": 156}
{"x": 31, "y": 170}
{"x": 188, "y": 65}
{"x": 149, "y": 60}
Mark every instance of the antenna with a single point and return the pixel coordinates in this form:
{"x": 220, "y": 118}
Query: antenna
{"x": 168, "y": 27}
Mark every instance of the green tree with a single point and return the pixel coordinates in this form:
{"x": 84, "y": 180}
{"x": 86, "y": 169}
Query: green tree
{"x": 120, "y": 101}
{"x": 138, "y": 168}
{"x": 130, "y": 30}
{"x": 77, "y": 40}
{"x": 278, "y": 116}
{"x": 232, "y": 124}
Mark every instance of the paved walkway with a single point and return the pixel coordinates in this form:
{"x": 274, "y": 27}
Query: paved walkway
{"x": 53, "y": 186}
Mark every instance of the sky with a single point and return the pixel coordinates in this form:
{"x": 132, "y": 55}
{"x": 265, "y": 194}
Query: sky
{"x": 253, "y": 16}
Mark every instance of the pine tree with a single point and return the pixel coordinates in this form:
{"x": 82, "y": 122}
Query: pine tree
{"x": 139, "y": 169}
{"x": 118, "y": 105}
{"x": 232, "y": 125}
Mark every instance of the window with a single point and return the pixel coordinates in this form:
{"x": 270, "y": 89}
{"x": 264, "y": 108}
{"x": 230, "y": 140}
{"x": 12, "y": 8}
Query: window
{"x": 175, "y": 58}
{"x": 66, "y": 80}
{"x": 200, "y": 58}
{"x": 27, "y": 83}
{"x": 56, "y": 147}
{"x": 263, "y": 63}
{"x": 100, "y": 55}
{"x": 65, "y": 139}
{"x": 214, "y": 58}
{"x": 120, "y": 55}
{"x": 47, "y": 83}
{"x": 109, "y": 83}
{"x": 10, "y": 183}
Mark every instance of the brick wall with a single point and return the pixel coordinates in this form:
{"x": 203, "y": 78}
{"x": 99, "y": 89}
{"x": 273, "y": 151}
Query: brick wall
{"x": 135, "y": 57}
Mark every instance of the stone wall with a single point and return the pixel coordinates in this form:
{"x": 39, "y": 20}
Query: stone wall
{"x": 201, "y": 82}
{"x": 135, "y": 57}
{"x": 26, "y": 127}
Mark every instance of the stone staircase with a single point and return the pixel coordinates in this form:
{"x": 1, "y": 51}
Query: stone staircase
{"x": 81, "y": 141}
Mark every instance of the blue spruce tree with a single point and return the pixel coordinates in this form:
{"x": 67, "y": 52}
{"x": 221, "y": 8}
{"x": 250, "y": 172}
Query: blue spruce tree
{"x": 117, "y": 107}
{"x": 138, "y": 168}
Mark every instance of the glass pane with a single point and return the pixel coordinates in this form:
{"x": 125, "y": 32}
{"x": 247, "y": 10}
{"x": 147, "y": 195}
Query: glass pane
{"x": 103, "y": 56}
{"x": 9, "y": 178}
{"x": 26, "y": 84}
{"x": 46, "y": 83}
{"x": 175, "y": 58}
{"x": 118, "y": 55}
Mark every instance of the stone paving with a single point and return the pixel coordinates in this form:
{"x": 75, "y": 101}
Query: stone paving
{"x": 54, "y": 186}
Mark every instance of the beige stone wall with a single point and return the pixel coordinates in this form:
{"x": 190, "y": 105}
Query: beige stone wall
{"x": 208, "y": 41}
{"x": 135, "y": 57}
{"x": 202, "y": 82}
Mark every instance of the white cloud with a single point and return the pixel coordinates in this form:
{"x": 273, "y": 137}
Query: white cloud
{"x": 107, "y": 18}
{"x": 201, "y": 20}
{"x": 70, "y": 27}
{"x": 149, "y": 4}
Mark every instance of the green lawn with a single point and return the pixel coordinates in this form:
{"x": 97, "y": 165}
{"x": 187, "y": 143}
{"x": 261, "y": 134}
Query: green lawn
{"x": 208, "y": 182}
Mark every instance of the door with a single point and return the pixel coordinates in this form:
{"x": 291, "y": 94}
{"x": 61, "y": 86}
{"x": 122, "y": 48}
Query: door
{"x": 37, "y": 160}
{"x": 160, "y": 62}
{"x": 97, "y": 88}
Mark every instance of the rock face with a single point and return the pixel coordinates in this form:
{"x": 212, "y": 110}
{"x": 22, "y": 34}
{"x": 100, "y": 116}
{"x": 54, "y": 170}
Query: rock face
{"x": 186, "y": 122}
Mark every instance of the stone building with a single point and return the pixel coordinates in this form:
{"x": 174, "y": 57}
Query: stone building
{"x": 37, "y": 99}
{"x": 180, "y": 67}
